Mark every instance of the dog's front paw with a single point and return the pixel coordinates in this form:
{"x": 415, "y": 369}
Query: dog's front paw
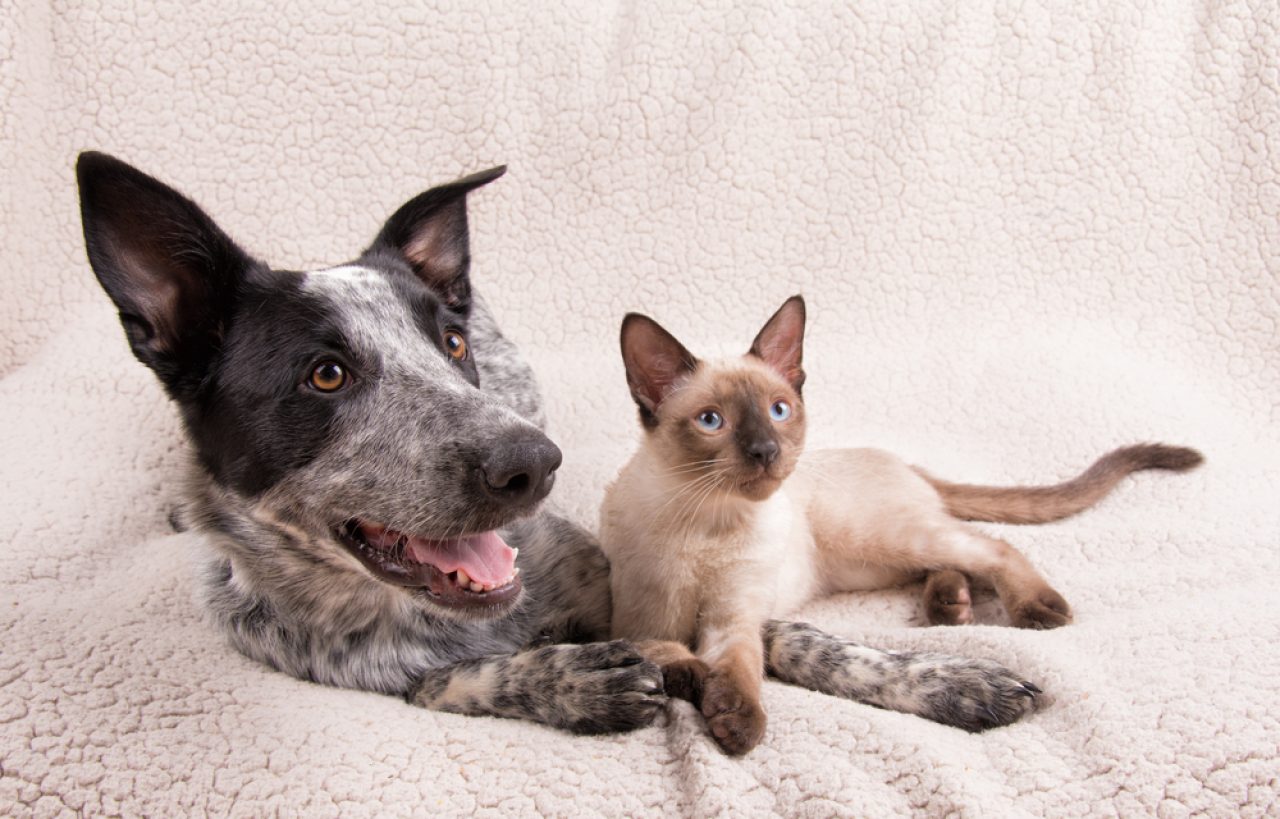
{"x": 605, "y": 688}
{"x": 736, "y": 720}
{"x": 971, "y": 694}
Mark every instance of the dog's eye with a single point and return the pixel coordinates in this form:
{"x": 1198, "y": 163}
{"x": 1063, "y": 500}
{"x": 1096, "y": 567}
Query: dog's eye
{"x": 456, "y": 345}
{"x": 328, "y": 376}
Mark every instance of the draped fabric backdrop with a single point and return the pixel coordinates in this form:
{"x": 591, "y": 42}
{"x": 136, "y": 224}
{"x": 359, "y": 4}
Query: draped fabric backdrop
{"x": 1027, "y": 233}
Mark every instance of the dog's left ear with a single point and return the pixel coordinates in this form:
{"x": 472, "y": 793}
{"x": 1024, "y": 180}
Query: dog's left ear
{"x": 430, "y": 232}
{"x": 780, "y": 343}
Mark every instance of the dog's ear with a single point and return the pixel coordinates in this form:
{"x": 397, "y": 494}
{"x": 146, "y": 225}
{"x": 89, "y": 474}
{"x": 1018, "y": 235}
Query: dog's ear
{"x": 170, "y": 270}
{"x": 430, "y": 232}
{"x": 654, "y": 361}
{"x": 780, "y": 343}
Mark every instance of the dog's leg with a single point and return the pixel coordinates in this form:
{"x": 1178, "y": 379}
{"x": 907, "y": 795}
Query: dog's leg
{"x": 967, "y": 693}
{"x": 588, "y": 689}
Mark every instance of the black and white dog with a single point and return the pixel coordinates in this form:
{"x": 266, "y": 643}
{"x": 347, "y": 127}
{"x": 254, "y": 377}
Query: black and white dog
{"x": 368, "y": 466}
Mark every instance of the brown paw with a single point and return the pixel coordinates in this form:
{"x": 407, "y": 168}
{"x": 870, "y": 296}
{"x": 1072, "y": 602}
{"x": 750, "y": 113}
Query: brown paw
{"x": 735, "y": 721}
{"x": 684, "y": 679}
{"x": 1046, "y": 610}
{"x": 947, "y": 601}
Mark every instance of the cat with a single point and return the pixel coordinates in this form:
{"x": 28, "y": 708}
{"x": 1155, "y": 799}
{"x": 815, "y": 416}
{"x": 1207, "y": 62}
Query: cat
{"x": 719, "y": 522}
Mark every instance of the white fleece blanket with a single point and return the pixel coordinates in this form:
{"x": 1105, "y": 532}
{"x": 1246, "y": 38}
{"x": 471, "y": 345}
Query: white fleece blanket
{"x": 1027, "y": 234}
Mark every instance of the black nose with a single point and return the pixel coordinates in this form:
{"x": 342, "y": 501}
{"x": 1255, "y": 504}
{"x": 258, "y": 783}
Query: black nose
{"x": 763, "y": 452}
{"x": 521, "y": 469}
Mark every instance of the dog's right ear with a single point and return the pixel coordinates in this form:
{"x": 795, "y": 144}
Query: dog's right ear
{"x": 655, "y": 361}
{"x": 430, "y": 233}
{"x": 170, "y": 270}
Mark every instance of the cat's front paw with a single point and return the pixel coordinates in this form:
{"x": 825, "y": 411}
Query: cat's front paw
{"x": 971, "y": 694}
{"x": 604, "y": 688}
{"x": 735, "y": 719}
{"x": 685, "y": 679}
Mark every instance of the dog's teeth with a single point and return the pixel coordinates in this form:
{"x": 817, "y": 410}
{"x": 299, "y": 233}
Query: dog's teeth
{"x": 464, "y": 579}
{"x": 515, "y": 552}
{"x": 476, "y": 587}
{"x": 514, "y": 573}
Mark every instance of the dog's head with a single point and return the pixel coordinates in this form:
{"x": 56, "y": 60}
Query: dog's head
{"x": 342, "y": 401}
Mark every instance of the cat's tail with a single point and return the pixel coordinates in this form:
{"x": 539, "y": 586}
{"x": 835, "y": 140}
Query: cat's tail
{"x": 1042, "y": 504}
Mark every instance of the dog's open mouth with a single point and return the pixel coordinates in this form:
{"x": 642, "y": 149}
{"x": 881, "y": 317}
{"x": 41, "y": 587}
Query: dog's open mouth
{"x": 468, "y": 571}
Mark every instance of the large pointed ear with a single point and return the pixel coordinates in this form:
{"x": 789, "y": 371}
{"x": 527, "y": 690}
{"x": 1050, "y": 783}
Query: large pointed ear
{"x": 170, "y": 270}
{"x": 780, "y": 343}
{"x": 430, "y": 232}
{"x": 654, "y": 360}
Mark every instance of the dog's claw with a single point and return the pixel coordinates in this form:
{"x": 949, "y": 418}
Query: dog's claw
{"x": 1031, "y": 688}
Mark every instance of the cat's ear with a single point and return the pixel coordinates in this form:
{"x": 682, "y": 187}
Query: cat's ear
{"x": 654, "y": 360}
{"x": 780, "y": 343}
{"x": 430, "y": 233}
{"x": 170, "y": 270}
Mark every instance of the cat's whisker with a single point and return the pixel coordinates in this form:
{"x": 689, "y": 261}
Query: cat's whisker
{"x": 692, "y": 518}
{"x": 693, "y": 466}
{"x": 681, "y": 491}
{"x": 712, "y": 481}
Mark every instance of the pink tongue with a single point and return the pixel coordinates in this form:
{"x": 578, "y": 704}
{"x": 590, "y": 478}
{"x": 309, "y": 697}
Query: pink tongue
{"x": 486, "y": 558}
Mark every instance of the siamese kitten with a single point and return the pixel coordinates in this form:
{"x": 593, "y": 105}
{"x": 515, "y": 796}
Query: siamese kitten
{"x": 719, "y": 523}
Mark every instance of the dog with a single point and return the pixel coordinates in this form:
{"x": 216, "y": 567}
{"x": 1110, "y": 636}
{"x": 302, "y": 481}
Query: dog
{"x": 368, "y": 468}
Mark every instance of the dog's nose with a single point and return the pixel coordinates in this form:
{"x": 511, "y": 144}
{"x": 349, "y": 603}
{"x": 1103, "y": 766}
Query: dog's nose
{"x": 763, "y": 452}
{"x": 520, "y": 470}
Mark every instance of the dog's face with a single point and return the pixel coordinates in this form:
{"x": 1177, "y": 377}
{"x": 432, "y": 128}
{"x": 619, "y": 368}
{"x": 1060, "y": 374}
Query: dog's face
{"x": 344, "y": 402}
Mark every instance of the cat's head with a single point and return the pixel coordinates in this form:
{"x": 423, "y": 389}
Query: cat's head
{"x": 741, "y": 419}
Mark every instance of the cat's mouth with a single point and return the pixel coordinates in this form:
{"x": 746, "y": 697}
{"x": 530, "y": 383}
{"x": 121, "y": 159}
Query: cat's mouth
{"x": 759, "y": 485}
{"x": 470, "y": 571}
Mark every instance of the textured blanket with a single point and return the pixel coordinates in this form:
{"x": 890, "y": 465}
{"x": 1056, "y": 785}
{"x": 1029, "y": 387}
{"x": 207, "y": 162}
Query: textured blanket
{"x": 1026, "y": 234}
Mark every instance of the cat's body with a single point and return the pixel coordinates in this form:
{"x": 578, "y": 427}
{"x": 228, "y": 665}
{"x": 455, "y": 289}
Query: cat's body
{"x": 767, "y": 557}
{"x": 719, "y": 522}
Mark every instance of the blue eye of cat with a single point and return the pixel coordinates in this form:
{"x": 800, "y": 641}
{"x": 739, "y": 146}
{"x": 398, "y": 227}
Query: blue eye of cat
{"x": 710, "y": 420}
{"x": 780, "y": 411}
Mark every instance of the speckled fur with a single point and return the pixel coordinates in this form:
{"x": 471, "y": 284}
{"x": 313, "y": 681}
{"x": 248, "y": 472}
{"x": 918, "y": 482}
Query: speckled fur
{"x": 277, "y": 469}
{"x": 967, "y": 693}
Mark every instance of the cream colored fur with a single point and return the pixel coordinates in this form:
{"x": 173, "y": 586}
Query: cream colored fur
{"x": 1018, "y": 218}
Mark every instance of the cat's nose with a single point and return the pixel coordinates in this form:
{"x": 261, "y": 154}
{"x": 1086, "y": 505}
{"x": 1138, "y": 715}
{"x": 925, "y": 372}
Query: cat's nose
{"x": 763, "y": 452}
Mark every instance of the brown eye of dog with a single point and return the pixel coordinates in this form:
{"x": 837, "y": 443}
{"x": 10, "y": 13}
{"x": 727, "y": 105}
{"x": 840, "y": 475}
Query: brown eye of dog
{"x": 328, "y": 376}
{"x": 456, "y": 345}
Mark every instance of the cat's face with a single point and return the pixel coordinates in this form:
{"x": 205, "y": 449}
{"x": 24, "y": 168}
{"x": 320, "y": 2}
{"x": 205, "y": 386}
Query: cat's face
{"x": 737, "y": 424}
{"x": 736, "y": 419}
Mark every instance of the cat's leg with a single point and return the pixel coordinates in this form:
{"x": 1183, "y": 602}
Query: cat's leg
{"x": 683, "y": 674}
{"x": 1026, "y": 595}
{"x": 731, "y": 691}
{"x": 947, "y": 598}
{"x": 966, "y": 693}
